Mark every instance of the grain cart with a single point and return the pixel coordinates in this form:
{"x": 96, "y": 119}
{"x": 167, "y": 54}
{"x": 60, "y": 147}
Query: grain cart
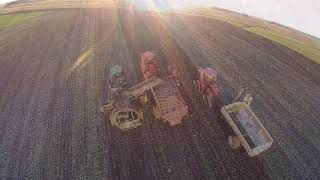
{"x": 167, "y": 98}
{"x": 248, "y": 130}
{"x": 118, "y": 107}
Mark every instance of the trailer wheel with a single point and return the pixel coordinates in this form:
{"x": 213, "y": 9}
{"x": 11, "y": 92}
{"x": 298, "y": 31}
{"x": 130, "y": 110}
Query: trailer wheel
{"x": 234, "y": 142}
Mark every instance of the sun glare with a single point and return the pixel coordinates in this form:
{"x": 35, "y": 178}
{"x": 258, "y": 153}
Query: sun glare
{"x": 160, "y": 5}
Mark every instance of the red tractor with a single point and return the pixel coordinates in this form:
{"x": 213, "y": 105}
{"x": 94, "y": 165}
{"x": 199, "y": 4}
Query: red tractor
{"x": 208, "y": 86}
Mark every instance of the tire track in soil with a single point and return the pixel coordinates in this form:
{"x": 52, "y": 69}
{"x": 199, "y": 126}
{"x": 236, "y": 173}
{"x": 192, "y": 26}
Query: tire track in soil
{"x": 41, "y": 100}
{"x": 68, "y": 120}
{"x": 51, "y": 149}
{"x": 103, "y": 59}
{"x": 75, "y": 155}
{"x": 18, "y": 56}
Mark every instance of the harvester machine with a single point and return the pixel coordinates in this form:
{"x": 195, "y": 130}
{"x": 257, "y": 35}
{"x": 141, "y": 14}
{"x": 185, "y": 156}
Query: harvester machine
{"x": 167, "y": 98}
{"x": 118, "y": 107}
{"x": 248, "y": 131}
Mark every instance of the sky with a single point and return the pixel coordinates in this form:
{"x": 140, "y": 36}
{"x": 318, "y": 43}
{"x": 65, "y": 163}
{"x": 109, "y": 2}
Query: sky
{"x": 4, "y": 1}
{"x": 303, "y": 15}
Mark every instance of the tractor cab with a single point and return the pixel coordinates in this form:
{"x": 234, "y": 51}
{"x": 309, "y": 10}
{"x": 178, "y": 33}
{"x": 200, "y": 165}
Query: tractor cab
{"x": 149, "y": 65}
{"x": 118, "y": 79}
{"x": 207, "y": 84}
{"x": 209, "y": 76}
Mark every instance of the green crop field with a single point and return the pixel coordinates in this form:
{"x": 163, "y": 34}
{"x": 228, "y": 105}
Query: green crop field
{"x": 303, "y": 48}
{"x": 10, "y": 20}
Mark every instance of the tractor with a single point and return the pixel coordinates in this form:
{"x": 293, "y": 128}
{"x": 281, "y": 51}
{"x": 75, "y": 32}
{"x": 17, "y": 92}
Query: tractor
{"x": 247, "y": 129}
{"x": 118, "y": 106}
{"x": 207, "y": 85}
{"x": 118, "y": 78}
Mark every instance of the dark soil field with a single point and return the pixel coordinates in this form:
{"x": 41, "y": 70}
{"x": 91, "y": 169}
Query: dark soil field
{"x": 53, "y": 79}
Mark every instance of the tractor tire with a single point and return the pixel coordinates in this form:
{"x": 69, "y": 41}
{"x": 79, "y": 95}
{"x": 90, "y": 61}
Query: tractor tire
{"x": 150, "y": 98}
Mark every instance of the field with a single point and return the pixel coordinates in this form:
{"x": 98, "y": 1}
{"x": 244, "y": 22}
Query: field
{"x": 11, "y": 20}
{"x": 306, "y": 49}
{"x": 300, "y": 42}
{"x": 304, "y": 44}
{"x": 32, "y": 5}
{"x": 53, "y": 79}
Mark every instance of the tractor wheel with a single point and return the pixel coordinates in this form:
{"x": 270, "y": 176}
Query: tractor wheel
{"x": 195, "y": 82}
{"x": 204, "y": 97}
{"x": 217, "y": 103}
{"x": 234, "y": 142}
{"x": 210, "y": 101}
{"x": 143, "y": 100}
{"x": 150, "y": 97}
{"x": 106, "y": 107}
{"x": 135, "y": 101}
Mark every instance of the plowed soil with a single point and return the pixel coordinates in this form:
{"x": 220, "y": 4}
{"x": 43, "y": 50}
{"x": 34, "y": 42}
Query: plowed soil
{"x": 53, "y": 79}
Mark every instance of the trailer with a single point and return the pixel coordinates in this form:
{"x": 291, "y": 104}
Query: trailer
{"x": 248, "y": 129}
{"x": 163, "y": 95}
{"x": 170, "y": 106}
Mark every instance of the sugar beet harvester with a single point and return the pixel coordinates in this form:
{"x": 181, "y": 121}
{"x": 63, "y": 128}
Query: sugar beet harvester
{"x": 167, "y": 98}
{"x": 124, "y": 105}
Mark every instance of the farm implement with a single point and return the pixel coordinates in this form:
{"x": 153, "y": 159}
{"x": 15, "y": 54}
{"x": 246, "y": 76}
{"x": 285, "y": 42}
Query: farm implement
{"x": 124, "y": 105}
{"x": 247, "y": 129}
{"x": 123, "y": 114}
{"x": 166, "y": 97}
